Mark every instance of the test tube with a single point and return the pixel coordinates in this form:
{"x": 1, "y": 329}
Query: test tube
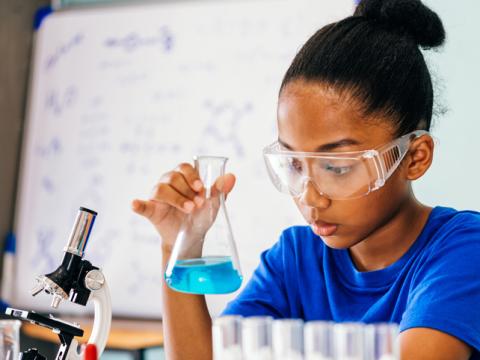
{"x": 9, "y": 339}
{"x": 257, "y": 338}
{"x": 348, "y": 340}
{"x": 381, "y": 341}
{"x": 227, "y": 338}
{"x": 287, "y": 339}
{"x": 319, "y": 340}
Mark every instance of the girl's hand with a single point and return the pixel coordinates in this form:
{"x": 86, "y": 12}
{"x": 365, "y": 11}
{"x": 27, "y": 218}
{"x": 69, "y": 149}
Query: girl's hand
{"x": 178, "y": 194}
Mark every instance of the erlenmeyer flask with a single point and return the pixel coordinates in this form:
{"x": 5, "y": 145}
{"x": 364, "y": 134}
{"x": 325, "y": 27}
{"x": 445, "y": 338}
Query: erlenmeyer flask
{"x": 204, "y": 258}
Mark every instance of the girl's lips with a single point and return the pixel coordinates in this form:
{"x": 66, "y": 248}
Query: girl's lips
{"x": 324, "y": 229}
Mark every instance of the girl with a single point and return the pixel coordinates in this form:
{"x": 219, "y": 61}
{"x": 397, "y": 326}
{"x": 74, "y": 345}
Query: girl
{"x": 354, "y": 111}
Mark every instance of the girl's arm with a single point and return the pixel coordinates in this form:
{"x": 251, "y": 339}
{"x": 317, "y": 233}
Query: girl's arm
{"x": 187, "y": 326}
{"x": 430, "y": 344}
{"x": 186, "y": 321}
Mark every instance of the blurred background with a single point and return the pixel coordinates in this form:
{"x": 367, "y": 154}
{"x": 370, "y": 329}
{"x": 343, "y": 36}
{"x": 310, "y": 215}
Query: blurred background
{"x": 98, "y": 99}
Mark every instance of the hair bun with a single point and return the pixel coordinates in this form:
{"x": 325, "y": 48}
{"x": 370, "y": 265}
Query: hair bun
{"x": 409, "y": 17}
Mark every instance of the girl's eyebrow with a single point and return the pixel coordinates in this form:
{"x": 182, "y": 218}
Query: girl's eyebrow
{"x": 327, "y": 147}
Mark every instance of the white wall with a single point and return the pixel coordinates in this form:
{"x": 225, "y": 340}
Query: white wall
{"x": 454, "y": 177}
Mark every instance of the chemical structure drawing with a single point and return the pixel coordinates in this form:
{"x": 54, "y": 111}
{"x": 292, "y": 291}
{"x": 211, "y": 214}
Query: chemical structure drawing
{"x": 48, "y": 185}
{"x": 59, "y": 101}
{"x": 224, "y": 121}
{"x": 131, "y": 42}
{"x": 45, "y": 239}
{"x": 62, "y": 50}
{"x": 53, "y": 147}
{"x": 145, "y": 278}
{"x": 101, "y": 246}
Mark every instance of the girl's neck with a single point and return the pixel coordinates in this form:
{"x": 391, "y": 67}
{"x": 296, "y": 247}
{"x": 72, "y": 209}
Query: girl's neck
{"x": 388, "y": 243}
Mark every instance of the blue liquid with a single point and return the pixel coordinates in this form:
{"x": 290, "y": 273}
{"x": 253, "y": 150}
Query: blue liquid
{"x": 208, "y": 275}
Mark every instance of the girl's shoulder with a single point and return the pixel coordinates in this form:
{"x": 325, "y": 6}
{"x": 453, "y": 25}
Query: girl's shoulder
{"x": 445, "y": 221}
{"x": 451, "y": 234}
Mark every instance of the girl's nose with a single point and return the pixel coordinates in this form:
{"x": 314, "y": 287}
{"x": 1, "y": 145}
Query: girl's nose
{"x": 311, "y": 197}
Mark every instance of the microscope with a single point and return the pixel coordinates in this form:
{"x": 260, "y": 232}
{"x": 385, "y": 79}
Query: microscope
{"x": 79, "y": 282}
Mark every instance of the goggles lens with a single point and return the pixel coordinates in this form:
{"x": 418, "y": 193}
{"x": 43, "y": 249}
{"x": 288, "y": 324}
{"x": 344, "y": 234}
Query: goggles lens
{"x": 335, "y": 175}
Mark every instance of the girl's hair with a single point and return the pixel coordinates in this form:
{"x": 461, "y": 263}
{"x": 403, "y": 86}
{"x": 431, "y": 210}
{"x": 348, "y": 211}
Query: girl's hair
{"x": 375, "y": 56}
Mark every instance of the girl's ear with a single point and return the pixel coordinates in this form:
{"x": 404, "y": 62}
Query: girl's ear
{"x": 421, "y": 157}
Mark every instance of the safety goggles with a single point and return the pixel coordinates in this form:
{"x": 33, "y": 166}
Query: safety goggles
{"x": 336, "y": 175}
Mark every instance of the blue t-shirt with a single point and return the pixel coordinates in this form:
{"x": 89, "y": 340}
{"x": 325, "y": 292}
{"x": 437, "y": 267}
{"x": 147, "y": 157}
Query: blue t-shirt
{"x": 435, "y": 284}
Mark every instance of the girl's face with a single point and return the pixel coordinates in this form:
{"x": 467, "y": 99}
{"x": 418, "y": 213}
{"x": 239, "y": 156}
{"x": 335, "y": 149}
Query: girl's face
{"x": 313, "y": 118}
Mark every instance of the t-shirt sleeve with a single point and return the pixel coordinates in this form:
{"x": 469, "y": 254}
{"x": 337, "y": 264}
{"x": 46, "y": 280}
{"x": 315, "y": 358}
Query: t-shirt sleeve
{"x": 265, "y": 293}
{"x": 445, "y": 294}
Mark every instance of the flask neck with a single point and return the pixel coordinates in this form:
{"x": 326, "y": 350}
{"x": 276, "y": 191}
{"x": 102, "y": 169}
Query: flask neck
{"x": 210, "y": 169}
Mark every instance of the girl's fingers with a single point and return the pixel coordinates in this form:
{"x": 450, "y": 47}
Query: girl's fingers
{"x": 229, "y": 183}
{"x": 144, "y": 208}
{"x": 181, "y": 189}
{"x": 139, "y": 206}
{"x": 165, "y": 193}
{"x": 225, "y": 183}
{"x": 178, "y": 181}
{"x": 191, "y": 176}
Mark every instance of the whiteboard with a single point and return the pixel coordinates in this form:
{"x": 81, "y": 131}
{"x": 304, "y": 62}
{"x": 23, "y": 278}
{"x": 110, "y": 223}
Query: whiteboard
{"x": 119, "y": 96}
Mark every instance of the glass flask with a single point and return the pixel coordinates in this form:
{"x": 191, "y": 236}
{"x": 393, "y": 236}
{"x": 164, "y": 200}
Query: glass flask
{"x": 204, "y": 257}
{"x": 9, "y": 339}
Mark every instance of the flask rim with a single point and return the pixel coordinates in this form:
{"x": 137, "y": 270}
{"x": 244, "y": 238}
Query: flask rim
{"x": 207, "y": 157}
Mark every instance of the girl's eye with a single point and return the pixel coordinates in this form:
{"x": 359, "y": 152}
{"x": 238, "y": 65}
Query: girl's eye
{"x": 338, "y": 170}
{"x": 295, "y": 165}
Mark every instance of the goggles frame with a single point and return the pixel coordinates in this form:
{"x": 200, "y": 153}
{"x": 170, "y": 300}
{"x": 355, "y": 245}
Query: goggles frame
{"x": 386, "y": 159}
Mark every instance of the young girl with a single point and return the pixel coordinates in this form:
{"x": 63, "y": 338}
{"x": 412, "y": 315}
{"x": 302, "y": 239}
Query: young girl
{"x": 354, "y": 111}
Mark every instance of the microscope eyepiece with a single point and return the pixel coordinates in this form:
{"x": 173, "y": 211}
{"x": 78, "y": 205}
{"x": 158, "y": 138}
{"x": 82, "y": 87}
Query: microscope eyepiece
{"x": 81, "y": 231}
{"x": 65, "y": 282}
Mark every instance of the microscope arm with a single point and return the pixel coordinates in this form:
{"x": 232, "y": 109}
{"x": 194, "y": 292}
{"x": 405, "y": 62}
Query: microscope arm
{"x": 103, "y": 318}
{"x": 100, "y": 295}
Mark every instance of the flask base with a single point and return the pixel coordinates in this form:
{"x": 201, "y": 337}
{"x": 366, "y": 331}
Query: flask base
{"x": 206, "y": 275}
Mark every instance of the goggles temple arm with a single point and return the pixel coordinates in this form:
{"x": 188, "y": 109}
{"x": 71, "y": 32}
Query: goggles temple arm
{"x": 391, "y": 156}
